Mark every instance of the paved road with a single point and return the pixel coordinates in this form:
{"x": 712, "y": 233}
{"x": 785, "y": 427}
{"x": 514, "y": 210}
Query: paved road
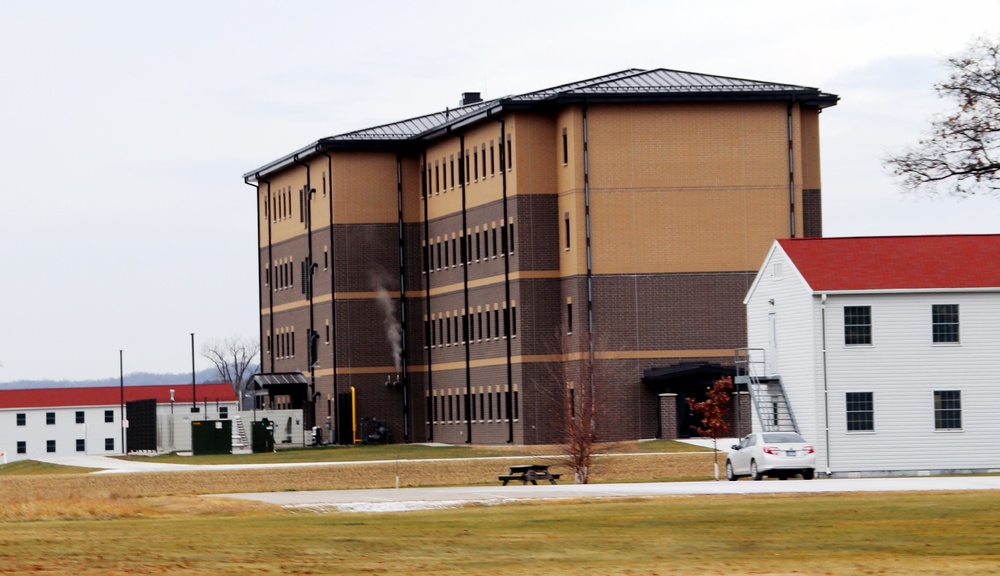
{"x": 384, "y": 500}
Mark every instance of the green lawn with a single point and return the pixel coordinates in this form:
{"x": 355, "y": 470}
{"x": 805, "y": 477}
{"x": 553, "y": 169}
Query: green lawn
{"x": 905, "y": 533}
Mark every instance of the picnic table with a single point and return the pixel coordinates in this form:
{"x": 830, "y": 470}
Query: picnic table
{"x": 529, "y": 473}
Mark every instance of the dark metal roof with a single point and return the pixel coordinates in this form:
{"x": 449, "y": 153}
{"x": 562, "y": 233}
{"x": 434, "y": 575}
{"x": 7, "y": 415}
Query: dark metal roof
{"x": 627, "y": 85}
{"x": 686, "y": 369}
{"x": 271, "y": 379}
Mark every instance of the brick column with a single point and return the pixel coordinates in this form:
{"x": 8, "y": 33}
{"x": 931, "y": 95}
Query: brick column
{"x": 668, "y": 416}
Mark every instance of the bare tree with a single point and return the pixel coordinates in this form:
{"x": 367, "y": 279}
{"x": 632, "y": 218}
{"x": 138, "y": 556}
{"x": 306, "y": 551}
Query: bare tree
{"x": 713, "y": 411}
{"x": 961, "y": 152}
{"x": 579, "y": 416}
{"x": 233, "y": 358}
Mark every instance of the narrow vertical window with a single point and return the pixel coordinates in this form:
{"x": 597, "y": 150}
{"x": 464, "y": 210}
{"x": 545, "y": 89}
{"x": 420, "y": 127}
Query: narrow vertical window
{"x": 510, "y": 155}
{"x": 510, "y": 236}
{"x": 454, "y": 252}
{"x": 489, "y": 331}
{"x": 479, "y": 322}
{"x": 944, "y": 321}
{"x": 513, "y": 321}
{"x": 566, "y": 227}
{"x": 437, "y": 178}
{"x": 451, "y": 167}
{"x": 484, "y": 159}
{"x": 475, "y": 163}
{"x": 496, "y": 322}
{"x": 477, "y": 245}
{"x": 569, "y": 316}
{"x": 947, "y": 410}
{"x": 565, "y": 147}
{"x": 439, "y": 255}
{"x": 492, "y": 164}
{"x": 326, "y": 258}
{"x": 494, "y": 242}
{"x": 468, "y": 173}
{"x": 503, "y": 240}
{"x": 506, "y": 322}
{"x": 447, "y": 339}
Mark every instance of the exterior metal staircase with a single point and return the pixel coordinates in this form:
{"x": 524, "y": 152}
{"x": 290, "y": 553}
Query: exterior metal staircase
{"x": 766, "y": 391}
{"x": 239, "y": 433}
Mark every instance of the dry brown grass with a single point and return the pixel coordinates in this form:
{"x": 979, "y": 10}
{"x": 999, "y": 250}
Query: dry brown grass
{"x": 119, "y": 495}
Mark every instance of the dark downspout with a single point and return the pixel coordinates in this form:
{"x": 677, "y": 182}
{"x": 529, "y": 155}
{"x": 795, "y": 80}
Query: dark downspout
{"x": 307, "y": 280}
{"x": 270, "y": 259}
{"x": 590, "y": 270}
{"x": 260, "y": 283}
{"x": 791, "y": 170}
{"x": 333, "y": 303}
{"x": 506, "y": 283}
{"x": 402, "y": 301}
{"x": 427, "y": 299}
{"x": 465, "y": 292}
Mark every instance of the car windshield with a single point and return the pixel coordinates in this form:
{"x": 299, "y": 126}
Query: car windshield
{"x": 783, "y": 437}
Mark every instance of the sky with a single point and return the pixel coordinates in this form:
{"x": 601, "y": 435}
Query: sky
{"x": 126, "y": 127}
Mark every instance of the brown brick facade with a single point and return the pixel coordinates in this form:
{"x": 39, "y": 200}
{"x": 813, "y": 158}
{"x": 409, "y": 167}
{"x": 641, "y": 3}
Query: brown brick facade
{"x": 677, "y": 203}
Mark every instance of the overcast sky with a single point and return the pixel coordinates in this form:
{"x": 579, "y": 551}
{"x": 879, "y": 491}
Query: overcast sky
{"x": 126, "y": 127}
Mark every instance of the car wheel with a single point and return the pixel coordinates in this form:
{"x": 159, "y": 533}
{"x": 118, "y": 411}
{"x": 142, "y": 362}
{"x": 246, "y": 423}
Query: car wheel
{"x": 754, "y": 473}
{"x": 730, "y": 475}
{"x": 808, "y": 474}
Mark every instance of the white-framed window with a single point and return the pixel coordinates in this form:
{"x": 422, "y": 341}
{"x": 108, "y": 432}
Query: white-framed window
{"x": 947, "y": 409}
{"x": 860, "y": 411}
{"x": 944, "y": 323}
{"x": 857, "y": 325}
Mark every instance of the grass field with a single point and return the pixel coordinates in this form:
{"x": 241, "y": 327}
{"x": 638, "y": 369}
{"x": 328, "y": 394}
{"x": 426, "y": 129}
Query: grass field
{"x": 156, "y": 523}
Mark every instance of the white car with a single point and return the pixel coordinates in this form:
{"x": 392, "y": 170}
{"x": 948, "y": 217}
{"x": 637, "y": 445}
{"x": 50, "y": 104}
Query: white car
{"x": 774, "y": 454}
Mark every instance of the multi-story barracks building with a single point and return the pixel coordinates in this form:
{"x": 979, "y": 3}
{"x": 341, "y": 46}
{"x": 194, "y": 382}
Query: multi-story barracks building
{"x": 452, "y": 274}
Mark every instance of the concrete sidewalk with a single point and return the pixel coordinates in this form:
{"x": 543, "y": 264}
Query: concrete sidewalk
{"x": 391, "y": 500}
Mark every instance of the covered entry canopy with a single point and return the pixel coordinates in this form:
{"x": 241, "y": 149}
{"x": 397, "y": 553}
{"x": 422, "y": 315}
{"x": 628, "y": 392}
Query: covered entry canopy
{"x": 291, "y": 384}
{"x": 677, "y": 383}
{"x": 684, "y": 374}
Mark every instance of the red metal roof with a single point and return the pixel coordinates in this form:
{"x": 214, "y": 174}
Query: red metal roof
{"x": 897, "y": 262}
{"x": 111, "y": 395}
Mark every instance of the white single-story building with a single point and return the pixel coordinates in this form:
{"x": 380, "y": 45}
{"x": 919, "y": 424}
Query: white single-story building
{"x": 883, "y": 350}
{"x": 53, "y": 422}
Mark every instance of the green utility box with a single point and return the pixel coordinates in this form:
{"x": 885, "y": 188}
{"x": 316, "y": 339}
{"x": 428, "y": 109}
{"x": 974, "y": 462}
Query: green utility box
{"x": 262, "y": 436}
{"x": 211, "y": 437}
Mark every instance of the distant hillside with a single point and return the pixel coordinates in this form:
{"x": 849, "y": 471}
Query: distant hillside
{"x": 206, "y": 376}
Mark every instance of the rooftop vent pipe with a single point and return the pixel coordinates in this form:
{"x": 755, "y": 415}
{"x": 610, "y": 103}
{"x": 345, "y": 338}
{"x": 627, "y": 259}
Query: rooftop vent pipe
{"x": 470, "y": 98}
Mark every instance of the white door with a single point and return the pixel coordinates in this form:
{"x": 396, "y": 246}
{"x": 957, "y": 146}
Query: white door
{"x": 772, "y": 344}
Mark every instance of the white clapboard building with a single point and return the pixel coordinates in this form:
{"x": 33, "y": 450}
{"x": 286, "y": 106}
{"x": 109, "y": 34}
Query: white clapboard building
{"x": 880, "y": 351}
{"x": 55, "y": 422}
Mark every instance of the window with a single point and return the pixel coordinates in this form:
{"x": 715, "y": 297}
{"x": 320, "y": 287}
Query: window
{"x": 569, "y": 316}
{"x": 565, "y": 148}
{"x": 109, "y": 444}
{"x": 510, "y": 156}
{"x": 50, "y": 418}
{"x": 22, "y": 447}
{"x": 21, "y": 419}
{"x": 857, "y": 325}
{"x": 566, "y": 222}
{"x": 109, "y": 415}
{"x": 947, "y": 410}
{"x": 510, "y": 236}
{"x": 860, "y": 412}
{"x": 483, "y": 145}
{"x": 475, "y": 163}
{"x": 492, "y": 163}
{"x": 451, "y": 168}
{"x": 79, "y": 417}
{"x": 513, "y": 321}
{"x": 81, "y": 445}
{"x": 50, "y": 446}
{"x": 223, "y": 412}
{"x": 944, "y": 320}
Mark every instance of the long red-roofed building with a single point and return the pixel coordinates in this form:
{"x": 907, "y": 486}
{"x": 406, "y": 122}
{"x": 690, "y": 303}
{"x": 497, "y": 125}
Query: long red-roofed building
{"x": 73, "y": 421}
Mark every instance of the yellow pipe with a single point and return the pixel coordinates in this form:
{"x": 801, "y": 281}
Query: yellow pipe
{"x": 354, "y": 417}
